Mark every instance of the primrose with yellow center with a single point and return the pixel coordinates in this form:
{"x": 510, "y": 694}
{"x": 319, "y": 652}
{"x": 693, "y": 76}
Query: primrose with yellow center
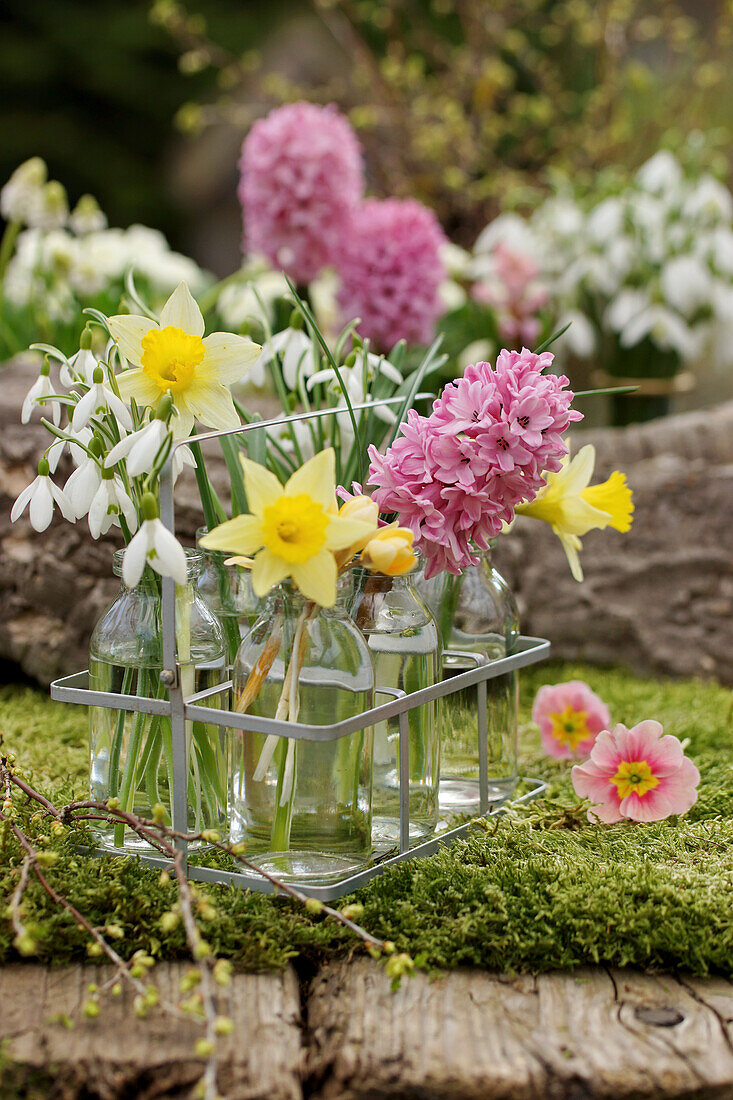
{"x": 294, "y": 530}
{"x": 175, "y": 357}
{"x": 634, "y": 777}
{"x": 570, "y": 727}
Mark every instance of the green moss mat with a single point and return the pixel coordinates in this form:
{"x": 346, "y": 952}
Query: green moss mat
{"x": 535, "y": 889}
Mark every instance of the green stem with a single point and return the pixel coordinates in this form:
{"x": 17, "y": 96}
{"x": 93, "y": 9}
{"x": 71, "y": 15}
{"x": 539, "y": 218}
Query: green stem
{"x": 449, "y": 605}
{"x": 10, "y": 236}
{"x": 127, "y": 790}
{"x": 116, "y": 749}
{"x": 283, "y": 819}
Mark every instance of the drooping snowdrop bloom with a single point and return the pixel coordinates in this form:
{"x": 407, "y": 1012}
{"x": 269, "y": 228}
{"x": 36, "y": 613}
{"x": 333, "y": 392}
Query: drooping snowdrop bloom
{"x": 41, "y": 389}
{"x": 21, "y": 199}
{"x": 82, "y": 485}
{"x": 660, "y": 174}
{"x": 175, "y": 357}
{"x": 109, "y": 503}
{"x": 82, "y": 365}
{"x": 153, "y": 545}
{"x": 140, "y": 448}
{"x": 100, "y": 399}
{"x": 41, "y": 495}
{"x": 295, "y": 348}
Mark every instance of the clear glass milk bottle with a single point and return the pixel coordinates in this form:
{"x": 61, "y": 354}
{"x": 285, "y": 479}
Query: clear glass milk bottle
{"x": 404, "y": 641}
{"x": 227, "y": 591}
{"x": 304, "y": 807}
{"x": 478, "y": 614}
{"x": 131, "y": 752}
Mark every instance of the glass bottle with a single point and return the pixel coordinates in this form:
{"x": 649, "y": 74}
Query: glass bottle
{"x": 227, "y": 590}
{"x": 131, "y": 752}
{"x": 478, "y": 614}
{"x": 303, "y": 807}
{"x": 404, "y": 641}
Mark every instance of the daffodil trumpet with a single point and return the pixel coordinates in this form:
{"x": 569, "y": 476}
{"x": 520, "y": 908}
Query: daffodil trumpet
{"x": 573, "y": 507}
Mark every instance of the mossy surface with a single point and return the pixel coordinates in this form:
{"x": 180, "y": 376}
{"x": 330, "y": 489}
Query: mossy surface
{"x": 536, "y": 889}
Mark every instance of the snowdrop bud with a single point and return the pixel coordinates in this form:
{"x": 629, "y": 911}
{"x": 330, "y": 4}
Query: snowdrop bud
{"x": 85, "y": 340}
{"x": 43, "y": 468}
{"x": 86, "y": 217}
{"x": 350, "y": 360}
{"x": 149, "y": 506}
{"x": 96, "y": 445}
{"x": 297, "y": 320}
{"x": 165, "y": 406}
{"x": 98, "y": 376}
{"x": 45, "y": 368}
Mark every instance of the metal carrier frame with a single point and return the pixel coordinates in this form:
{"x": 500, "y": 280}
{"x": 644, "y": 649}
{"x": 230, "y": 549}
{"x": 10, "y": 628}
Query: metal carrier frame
{"x": 181, "y": 709}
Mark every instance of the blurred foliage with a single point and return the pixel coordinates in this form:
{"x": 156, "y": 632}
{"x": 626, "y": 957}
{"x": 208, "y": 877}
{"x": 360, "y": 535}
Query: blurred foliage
{"x": 468, "y": 104}
{"x": 92, "y": 87}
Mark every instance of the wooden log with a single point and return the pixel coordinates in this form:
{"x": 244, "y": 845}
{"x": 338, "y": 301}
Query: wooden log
{"x": 119, "y": 1057}
{"x": 468, "y": 1035}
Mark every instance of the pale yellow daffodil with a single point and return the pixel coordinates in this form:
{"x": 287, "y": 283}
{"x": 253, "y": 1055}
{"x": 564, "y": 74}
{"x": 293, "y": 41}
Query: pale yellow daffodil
{"x": 175, "y": 356}
{"x": 293, "y": 530}
{"x": 573, "y": 507}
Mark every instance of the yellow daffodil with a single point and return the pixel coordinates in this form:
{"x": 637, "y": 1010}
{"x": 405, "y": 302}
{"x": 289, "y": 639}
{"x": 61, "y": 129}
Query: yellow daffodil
{"x": 293, "y": 530}
{"x": 390, "y": 551}
{"x": 175, "y": 356}
{"x": 573, "y": 507}
{"x": 364, "y": 509}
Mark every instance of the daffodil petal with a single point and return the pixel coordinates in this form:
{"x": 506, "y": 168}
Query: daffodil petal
{"x": 342, "y": 532}
{"x": 576, "y": 475}
{"x": 182, "y": 311}
{"x": 267, "y": 571}
{"x": 261, "y": 485}
{"x": 212, "y": 404}
{"x": 135, "y": 383}
{"x": 128, "y": 331}
{"x": 317, "y": 478}
{"x": 228, "y": 358}
{"x": 571, "y": 546}
{"x": 579, "y": 517}
{"x": 241, "y": 535}
{"x": 316, "y": 578}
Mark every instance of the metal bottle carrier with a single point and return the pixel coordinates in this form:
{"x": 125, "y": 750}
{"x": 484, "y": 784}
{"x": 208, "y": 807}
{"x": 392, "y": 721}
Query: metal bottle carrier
{"x": 181, "y": 709}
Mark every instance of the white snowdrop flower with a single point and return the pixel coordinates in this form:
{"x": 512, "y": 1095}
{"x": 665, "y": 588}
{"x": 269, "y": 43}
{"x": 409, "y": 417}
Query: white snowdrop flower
{"x": 22, "y": 196}
{"x": 323, "y": 293}
{"x": 686, "y": 284}
{"x": 244, "y": 301}
{"x": 580, "y": 338}
{"x": 507, "y": 229}
{"x": 709, "y": 201}
{"x": 153, "y": 545}
{"x": 110, "y": 502}
{"x": 661, "y": 173}
{"x": 628, "y": 304}
{"x": 605, "y": 222}
{"x": 81, "y": 366}
{"x": 98, "y": 400}
{"x": 721, "y": 249}
{"x": 478, "y": 351}
{"x": 283, "y": 436}
{"x": 358, "y": 389}
{"x": 296, "y": 350}
{"x": 451, "y": 295}
{"x": 140, "y": 448}
{"x": 86, "y": 217}
{"x": 54, "y": 208}
{"x": 41, "y": 388}
{"x": 665, "y": 328}
{"x": 455, "y": 260}
{"x": 82, "y": 486}
{"x": 42, "y": 495}
{"x": 76, "y": 442}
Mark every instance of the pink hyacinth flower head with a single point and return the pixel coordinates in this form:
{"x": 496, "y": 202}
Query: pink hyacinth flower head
{"x": 302, "y": 180}
{"x": 570, "y": 717}
{"x": 641, "y": 774}
{"x": 391, "y": 271}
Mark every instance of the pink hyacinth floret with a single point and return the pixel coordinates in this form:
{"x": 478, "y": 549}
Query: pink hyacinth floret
{"x": 391, "y": 271}
{"x": 515, "y": 293}
{"x": 641, "y": 774}
{"x": 570, "y": 717}
{"x": 302, "y": 181}
{"x": 455, "y": 476}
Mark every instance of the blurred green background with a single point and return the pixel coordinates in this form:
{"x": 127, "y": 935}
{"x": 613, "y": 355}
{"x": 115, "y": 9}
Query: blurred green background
{"x": 468, "y": 104}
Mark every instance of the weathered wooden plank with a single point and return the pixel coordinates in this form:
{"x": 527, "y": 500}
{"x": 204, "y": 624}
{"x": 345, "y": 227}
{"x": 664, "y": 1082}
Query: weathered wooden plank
{"x": 119, "y": 1056}
{"x": 474, "y": 1036}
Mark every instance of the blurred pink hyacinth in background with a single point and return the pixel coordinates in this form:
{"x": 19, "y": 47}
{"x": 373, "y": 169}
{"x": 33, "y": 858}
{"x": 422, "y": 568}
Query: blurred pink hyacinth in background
{"x": 302, "y": 181}
{"x": 570, "y": 717}
{"x": 391, "y": 271}
{"x": 515, "y": 293}
{"x": 641, "y": 774}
